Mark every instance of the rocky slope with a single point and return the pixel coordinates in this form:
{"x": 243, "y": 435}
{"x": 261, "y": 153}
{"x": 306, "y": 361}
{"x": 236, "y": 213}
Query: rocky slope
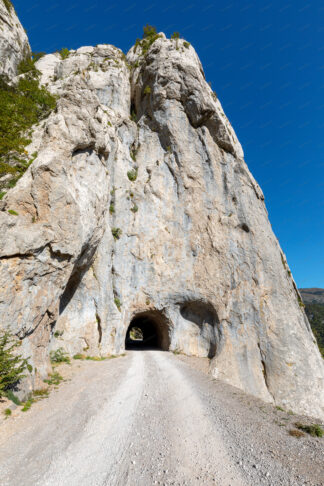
{"x": 139, "y": 204}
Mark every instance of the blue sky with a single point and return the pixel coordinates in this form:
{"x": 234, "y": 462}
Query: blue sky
{"x": 265, "y": 61}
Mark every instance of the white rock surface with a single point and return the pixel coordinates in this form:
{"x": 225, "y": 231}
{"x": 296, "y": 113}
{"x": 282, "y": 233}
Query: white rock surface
{"x": 14, "y": 45}
{"x": 196, "y": 254}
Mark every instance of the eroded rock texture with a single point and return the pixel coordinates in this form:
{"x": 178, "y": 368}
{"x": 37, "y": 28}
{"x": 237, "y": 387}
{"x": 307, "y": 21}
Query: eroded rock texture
{"x": 14, "y": 45}
{"x": 140, "y": 206}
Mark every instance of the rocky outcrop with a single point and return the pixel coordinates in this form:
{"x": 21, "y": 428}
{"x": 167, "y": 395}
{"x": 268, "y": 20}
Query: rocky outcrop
{"x": 140, "y": 208}
{"x": 14, "y": 45}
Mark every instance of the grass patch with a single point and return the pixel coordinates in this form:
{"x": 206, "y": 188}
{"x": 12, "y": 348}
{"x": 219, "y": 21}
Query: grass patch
{"x": 176, "y": 351}
{"x": 7, "y": 412}
{"x": 296, "y": 433}
{"x": 280, "y": 408}
{"x": 54, "y": 379}
{"x": 12, "y": 212}
{"x": 112, "y": 208}
{"x": 314, "y": 430}
{"x": 27, "y": 404}
{"x": 41, "y": 393}
{"x": 59, "y": 356}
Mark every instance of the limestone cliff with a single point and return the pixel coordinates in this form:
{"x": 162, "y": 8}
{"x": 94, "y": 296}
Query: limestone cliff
{"x": 140, "y": 205}
{"x": 14, "y": 45}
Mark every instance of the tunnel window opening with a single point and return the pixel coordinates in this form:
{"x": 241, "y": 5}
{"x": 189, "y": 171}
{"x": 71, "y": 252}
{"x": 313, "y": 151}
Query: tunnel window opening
{"x": 136, "y": 334}
{"x": 148, "y": 330}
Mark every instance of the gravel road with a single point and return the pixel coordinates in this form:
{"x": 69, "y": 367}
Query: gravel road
{"x": 152, "y": 418}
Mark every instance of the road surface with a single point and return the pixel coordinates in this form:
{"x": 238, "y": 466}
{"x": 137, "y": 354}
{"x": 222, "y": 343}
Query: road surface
{"x": 151, "y": 418}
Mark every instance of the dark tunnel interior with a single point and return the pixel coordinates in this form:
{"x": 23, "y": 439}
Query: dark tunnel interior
{"x": 148, "y": 330}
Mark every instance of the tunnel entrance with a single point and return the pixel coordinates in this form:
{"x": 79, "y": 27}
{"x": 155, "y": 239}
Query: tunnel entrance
{"x": 148, "y": 330}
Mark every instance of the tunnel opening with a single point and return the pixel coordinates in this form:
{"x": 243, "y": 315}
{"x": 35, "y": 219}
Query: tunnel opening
{"x": 148, "y": 330}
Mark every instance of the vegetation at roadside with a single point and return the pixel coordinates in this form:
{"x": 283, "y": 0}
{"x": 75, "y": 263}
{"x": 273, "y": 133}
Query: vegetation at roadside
{"x": 314, "y": 430}
{"x": 59, "y": 356}
{"x": 21, "y": 106}
{"x": 54, "y": 379}
{"x": 12, "y": 365}
{"x": 84, "y": 357}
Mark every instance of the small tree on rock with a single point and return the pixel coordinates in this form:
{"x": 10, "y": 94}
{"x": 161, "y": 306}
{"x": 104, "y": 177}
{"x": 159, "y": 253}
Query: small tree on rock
{"x": 12, "y": 365}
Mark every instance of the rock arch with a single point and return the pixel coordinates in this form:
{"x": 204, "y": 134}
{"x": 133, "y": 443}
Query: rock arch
{"x": 199, "y": 328}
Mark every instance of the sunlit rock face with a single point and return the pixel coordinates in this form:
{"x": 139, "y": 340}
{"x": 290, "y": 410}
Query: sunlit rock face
{"x": 14, "y": 45}
{"x": 139, "y": 206}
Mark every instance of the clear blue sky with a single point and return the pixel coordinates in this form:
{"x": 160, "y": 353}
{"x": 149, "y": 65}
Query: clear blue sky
{"x": 265, "y": 60}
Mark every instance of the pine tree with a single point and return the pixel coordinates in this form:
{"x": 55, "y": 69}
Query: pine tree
{"x": 12, "y": 365}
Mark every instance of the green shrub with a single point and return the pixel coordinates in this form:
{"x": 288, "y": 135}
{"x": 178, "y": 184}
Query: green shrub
{"x": 314, "y": 430}
{"x": 7, "y": 412}
{"x": 8, "y": 5}
{"x": 149, "y": 37}
{"x": 79, "y": 356}
{"x": 27, "y": 65}
{"x": 133, "y": 116}
{"x": 149, "y": 31}
{"x": 132, "y": 174}
{"x": 134, "y": 209}
{"x": 2, "y": 194}
{"x": 12, "y": 365}
{"x": 133, "y": 154}
{"x": 116, "y": 232}
{"x": 117, "y": 303}
{"x": 14, "y": 213}
{"x": 11, "y": 396}
{"x": 21, "y": 107}
{"x": 64, "y": 53}
{"x": 112, "y": 208}
{"x": 147, "y": 90}
{"x": 175, "y": 35}
{"x": 186, "y": 44}
{"x": 58, "y": 334}
{"x": 59, "y": 356}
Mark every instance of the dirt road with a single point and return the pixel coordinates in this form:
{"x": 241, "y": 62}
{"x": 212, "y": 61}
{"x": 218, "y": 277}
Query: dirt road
{"x": 150, "y": 418}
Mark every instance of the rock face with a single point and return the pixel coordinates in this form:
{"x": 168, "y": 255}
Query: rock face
{"x": 140, "y": 210}
{"x": 14, "y": 45}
